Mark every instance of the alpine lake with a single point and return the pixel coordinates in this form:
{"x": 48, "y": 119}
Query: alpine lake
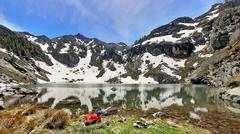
{"x": 195, "y": 104}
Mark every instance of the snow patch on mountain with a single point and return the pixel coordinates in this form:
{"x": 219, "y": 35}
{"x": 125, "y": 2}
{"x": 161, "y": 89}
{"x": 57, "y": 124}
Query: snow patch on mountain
{"x": 65, "y": 49}
{"x": 213, "y": 14}
{"x": 109, "y": 74}
{"x": 33, "y": 39}
{"x": 188, "y": 24}
{"x": 61, "y": 73}
{"x": 9, "y": 53}
{"x": 205, "y": 55}
{"x": 186, "y": 33}
{"x": 167, "y": 38}
{"x": 211, "y": 17}
{"x": 3, "y": 50}
{"x": 142, "y": 80}
{"x": 92, "y": 41}
{"x": 195, "y": 64}
{"x": 199, "y": 48}
{"x": 168, "y": 65}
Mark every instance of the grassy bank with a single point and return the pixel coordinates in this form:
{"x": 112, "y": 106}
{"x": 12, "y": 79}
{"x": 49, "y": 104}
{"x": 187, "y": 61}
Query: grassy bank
{"x": 36, "y": 120}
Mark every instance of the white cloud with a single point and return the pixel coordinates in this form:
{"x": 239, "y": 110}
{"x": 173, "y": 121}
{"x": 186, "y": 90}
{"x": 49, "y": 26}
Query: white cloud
{"x": 117, "y": 17}
{"x": 136, "y": 14}
{"x": 80, "y": 7}
{"x": 121, "y": 17}
{"x": 6, "y": 23}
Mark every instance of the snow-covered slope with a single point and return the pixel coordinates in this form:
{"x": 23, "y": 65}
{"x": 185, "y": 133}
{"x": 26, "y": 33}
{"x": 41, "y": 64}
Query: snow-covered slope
{"x": 100, "y": 62}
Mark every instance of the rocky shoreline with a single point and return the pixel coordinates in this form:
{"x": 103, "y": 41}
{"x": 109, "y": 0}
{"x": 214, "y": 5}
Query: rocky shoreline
{"x": 12, "y": 89}
{"x": 231, "y": 95}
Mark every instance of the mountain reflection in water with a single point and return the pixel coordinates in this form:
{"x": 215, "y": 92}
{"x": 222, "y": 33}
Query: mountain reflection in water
{"x": 143, "y": 97}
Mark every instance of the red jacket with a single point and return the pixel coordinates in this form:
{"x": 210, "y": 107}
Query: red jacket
{"x": 92, "y": 118}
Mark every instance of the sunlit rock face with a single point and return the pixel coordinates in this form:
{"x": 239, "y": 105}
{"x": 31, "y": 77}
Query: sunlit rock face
{"x": 237, "y": 1}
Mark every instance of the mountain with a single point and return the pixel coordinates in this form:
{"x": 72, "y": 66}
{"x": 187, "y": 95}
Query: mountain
{"x": 192, "y": 50}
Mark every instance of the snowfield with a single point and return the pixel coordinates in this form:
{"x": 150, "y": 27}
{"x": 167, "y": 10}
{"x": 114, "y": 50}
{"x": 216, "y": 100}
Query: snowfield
{"x": 84, "y": 73}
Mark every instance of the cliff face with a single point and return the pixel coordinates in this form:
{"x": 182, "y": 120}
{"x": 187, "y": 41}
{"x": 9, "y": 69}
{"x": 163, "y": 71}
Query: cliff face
{"x": 223, "y": 64}
{"x": 234, "y": 1}
{"x": 222, "y": 69}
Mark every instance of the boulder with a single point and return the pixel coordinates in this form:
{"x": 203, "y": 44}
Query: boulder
{"x": 232, "y": 95}
{"x": 200, "y": 80}
{"x": 220, "y": 41}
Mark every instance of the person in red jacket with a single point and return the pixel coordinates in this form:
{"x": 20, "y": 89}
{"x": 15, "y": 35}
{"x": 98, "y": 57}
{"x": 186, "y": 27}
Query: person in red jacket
{"x": 93, "y": 118}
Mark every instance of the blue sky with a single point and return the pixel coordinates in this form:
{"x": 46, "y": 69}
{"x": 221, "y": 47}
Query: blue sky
{"x": 108, "y": 20}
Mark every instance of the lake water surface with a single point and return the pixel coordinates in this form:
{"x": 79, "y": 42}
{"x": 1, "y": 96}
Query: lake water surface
{"x": 143, "y": 97}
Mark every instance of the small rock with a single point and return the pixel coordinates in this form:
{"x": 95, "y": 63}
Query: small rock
{"x": 35, "y": 131}
{"x": 123, "y": 119}
{"x": 113, "y": 89}
{"x": 1, "y": 108}
{"x": 200, "y": 109}
{"x": 67, "y": 111}
{"x": 16, "y": 88}
{"x": 192, "y": 101}
{"x": 109, "y": 111}
{"x": 108, "y": 123}
{"x": 222, "y": 93}
{"x": 7, "y": 93}
{"x": 172, "y": 123}
{"x": 158, "y": 114}
{"x": 143, "y": 124}
{"x": 236, "y": 99}
{"x": 194, "y": 116}
{"x": 100, "y": 127}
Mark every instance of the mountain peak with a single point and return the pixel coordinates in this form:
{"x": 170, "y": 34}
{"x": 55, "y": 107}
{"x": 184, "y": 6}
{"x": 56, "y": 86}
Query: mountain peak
{"x": 183, "y": 20}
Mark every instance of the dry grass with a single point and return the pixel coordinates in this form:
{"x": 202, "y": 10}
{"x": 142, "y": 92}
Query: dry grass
{"x": 11, "y": 121}
{"x": 26, "y": 118}
{"x": 31, "y": 125}
{"x": 5, "y": 131}
{"x": 25, "y": 109}
{"x": 49, "y": 113}
{"x": 58, "y": 120}
{"x": 28, "y": 110}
